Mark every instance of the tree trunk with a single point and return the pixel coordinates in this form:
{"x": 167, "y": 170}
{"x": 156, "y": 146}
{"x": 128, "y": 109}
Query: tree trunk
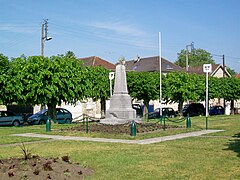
{"x": 52, "y": 111}
{"x": 232, "y": 106}
{"x": 180, "y": 107}
{"x": 103, "y": 108}
{"x": 146, "y": 104}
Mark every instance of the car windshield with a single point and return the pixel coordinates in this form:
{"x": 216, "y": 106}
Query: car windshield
{"x": 41, "y": 112}
{"x": 186, "y": 106}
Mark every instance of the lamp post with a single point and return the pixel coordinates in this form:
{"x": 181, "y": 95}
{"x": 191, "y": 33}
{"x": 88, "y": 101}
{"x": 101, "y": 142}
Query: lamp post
{"x": 44, "y": 35}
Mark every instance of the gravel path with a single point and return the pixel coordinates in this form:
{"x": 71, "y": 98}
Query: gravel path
{"x": 145, "y": 141}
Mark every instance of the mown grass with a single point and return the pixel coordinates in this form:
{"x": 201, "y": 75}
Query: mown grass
{"x": 5, "y": 133}
{"x": 214, "y": 156}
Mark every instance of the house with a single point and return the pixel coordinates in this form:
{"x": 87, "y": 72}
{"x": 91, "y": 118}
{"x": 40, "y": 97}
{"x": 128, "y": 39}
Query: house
{"x": 151, "y": 64}
{"x": 97, "y": 61}
{"x": 217, "y": 71}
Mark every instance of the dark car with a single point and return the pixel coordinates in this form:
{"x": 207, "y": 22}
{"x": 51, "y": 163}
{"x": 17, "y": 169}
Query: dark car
{"x": 193, "y": 109}
{"x": 166, "y": 111}
{"x": 10, "y": 118}
{"x": 138, "y": 109}
{"x": 62, "y": 116}
{"x": 216, "y": 110}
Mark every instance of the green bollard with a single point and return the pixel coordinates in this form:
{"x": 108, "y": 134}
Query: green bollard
{"x": 133, "y": 128}
{"x": 48, "y": 125}
{"x": 188, "y": 122}
{"x": 164, "y": 123}
{"x": 87, "y": 125}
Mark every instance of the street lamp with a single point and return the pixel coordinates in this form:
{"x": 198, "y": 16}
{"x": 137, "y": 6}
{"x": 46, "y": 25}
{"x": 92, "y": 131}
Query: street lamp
{"x": 45, "y": 36}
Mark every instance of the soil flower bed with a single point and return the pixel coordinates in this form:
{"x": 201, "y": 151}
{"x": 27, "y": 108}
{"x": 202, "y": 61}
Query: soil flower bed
{"x": 39, "y": 168}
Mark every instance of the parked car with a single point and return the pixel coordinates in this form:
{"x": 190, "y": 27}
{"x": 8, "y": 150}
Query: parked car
{"x": 138, "y": 109}
{"x": 62, "y": 116}
{"x": 10, "y": 118}
{"x": 193, "y": 109}
{"x": 166, "y": 111}
{"x": 216, "y": 110}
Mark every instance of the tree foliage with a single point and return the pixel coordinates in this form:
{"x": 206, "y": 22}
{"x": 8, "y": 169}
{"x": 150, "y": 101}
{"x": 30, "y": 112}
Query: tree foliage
{"x": 99, "y": 89}
{"x": 143, "y": 86}
{"x": 180, "y": 87}
{"x": 42, "y": 80}
{"x": 197, "y": 57}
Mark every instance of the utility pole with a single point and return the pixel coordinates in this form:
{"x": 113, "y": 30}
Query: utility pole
{"x": 223, "y": 58}
{"x": 192, "y": 47}
{"x": 44, "y": 35}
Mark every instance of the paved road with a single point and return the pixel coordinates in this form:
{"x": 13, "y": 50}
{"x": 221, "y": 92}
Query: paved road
{"x": 145, "y": 141}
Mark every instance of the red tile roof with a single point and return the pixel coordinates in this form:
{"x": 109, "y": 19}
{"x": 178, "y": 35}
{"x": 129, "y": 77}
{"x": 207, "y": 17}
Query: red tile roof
{"x": 97, "y": 61}
{"x": 238, "y": 75}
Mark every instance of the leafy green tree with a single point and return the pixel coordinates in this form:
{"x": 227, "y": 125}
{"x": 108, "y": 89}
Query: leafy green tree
{"x": 42, "y": 80}
{"x": 197, "y": 57}
{"x": 4, "y": 62}
{"x": 231, "y": 72}
{"x": 180, "y": 87}
{"x": 231, "y": 90}
{"x": 11, "y": 81}
{"x": 98, "y": 78}
{"x": 143, "y": 86}
{"x": 70, "y": 54}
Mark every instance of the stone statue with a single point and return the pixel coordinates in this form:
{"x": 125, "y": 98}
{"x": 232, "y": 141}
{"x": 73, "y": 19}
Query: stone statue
{"x": 120, "y": 110}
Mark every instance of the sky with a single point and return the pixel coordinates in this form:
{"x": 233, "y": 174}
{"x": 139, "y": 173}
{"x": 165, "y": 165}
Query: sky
{"x": 112, "y": 29}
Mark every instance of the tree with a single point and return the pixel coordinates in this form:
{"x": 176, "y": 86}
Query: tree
{"x": 180, "y": 87}
{"x": 70, "y": 54}
{"x": 98, "y": 78}
{"x": 143, "y": 86}
{"x": 42, "y": 80}
{"x": 4, "y": 63}
{"x": 11, "y": 81}
{"x": 197, "y": 57}
{"x": 231, "y": 90}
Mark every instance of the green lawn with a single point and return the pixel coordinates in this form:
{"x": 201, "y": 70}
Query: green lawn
{"x": 213, "y": 156}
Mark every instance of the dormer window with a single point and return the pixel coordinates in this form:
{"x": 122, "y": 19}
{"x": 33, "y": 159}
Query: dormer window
{"x": 168, "y": 67}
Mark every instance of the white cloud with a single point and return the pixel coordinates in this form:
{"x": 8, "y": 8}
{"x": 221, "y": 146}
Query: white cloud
{"x": 119, "y": 27}
{"x": 17, "y": 28}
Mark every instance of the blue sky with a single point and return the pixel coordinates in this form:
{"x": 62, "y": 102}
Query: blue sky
{"x": 114, "y": 28}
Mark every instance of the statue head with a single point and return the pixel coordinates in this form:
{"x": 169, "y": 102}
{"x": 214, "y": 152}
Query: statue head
{"x": 121, "y": 60}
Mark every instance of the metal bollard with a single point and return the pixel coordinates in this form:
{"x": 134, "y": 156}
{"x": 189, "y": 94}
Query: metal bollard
{"x": 188, "y": 122}
{"x": 133, "y": 128}
{"x": 48, "y": 125}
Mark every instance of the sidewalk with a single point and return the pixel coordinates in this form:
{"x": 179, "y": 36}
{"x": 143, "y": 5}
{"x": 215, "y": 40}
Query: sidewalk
{"x": 145, "y": 141}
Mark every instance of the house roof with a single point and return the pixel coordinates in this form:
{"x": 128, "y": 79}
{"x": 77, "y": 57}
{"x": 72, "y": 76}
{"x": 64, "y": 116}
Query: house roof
{"x": 199, "y": 69}
{"x": 97, "y": 61}
{"x": 151, "y": 64}
{"x": 238, "y": 75}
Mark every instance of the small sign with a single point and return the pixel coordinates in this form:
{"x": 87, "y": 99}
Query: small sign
{"x": 207, "y": 68}
{"x": 111, "y": 75}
